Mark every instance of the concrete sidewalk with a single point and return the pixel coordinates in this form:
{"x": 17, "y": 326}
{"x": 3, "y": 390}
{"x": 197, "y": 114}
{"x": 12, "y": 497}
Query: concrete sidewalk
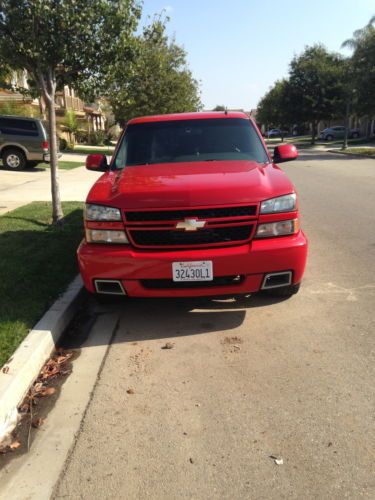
{"x": 20, "y": 188}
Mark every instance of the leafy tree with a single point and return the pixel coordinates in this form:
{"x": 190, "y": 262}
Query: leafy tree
{"x": 219, "y": 107}
{"x": 155, "y": 80}
{"x": 63, "y": 41}
{"x": 317, "y": 86}
{"x": 274, "y": 108}
{"x": 362, "y": 79}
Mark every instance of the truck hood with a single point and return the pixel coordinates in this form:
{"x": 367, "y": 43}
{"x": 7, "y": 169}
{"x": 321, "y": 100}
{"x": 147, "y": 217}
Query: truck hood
{"x": 190, "y": 184}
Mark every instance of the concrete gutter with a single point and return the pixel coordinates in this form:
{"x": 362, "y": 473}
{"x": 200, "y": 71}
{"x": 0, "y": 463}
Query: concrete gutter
{"x": 24, "y": 366}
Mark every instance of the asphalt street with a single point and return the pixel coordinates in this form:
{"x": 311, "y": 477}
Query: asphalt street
{"x": 257, "y": 398}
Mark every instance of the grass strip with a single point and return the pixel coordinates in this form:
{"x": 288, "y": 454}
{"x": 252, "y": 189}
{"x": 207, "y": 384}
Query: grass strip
{"x": 37, "y": 263}
{"x": 64, "y": 165}
{"x": 360, "y": 151}
{"x": 90, "y": 150}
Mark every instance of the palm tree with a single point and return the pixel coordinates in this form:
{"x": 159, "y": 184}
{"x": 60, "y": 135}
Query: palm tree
{"x": 355, "y": 43}
{"x": 359, "y": 35}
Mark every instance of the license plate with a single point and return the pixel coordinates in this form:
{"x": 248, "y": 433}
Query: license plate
{"x": 200, "y": 270}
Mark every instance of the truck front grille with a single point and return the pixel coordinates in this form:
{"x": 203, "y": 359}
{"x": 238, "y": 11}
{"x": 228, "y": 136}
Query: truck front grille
{"x": 158, "y": 238}
{"x": 223, "y": 226}
{"x": 201, "y": 213}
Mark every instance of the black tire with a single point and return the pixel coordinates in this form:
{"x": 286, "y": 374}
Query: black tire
{"x": 14, "y": 159}
{"x": 32, "y": 164}
{"x": 355, "y": 135}
{"x": 329, "y": 137}
{"x": 284, "y": 291}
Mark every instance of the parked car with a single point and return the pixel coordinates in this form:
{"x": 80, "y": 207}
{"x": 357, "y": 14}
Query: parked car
{"x": 275, "y": 132}
{"x": 192, "y": 204}
{"x": 338, "y": 132}
{"x": 23, "y": 142}
{"x": 298, "y": 130}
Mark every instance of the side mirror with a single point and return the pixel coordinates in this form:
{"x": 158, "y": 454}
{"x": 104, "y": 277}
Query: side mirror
{"x": 285, "y": 152}
{"x": 97, "y": 162}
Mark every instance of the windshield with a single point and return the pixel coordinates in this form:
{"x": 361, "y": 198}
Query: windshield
{"x": 190, "y": 141}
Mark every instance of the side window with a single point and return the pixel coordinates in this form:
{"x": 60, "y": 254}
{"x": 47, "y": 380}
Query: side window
{"x": 120, "y": 161}
{"x": 16, "y": 126}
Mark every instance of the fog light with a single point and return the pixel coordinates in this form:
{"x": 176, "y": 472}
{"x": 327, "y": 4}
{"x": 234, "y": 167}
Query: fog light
{"x": 280, "y": 228}
{"x": 106, "y": 236}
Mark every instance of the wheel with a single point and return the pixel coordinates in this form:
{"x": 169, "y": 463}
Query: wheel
{"x": 355, "y": 135}
{"x": 284, "y": 291}
{"x": 329, "y": 138}
{"x": 14, "y": 159}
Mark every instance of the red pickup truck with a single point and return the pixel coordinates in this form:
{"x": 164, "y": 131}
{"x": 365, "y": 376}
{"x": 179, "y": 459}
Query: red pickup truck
{"x": 192, "y": 204}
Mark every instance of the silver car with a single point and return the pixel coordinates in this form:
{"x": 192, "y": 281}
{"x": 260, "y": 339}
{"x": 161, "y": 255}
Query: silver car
{"x": 23, "y": 142}
{"x": 338, "y": 132}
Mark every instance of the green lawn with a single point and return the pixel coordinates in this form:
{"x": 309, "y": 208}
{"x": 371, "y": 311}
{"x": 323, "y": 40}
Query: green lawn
{"x": 88, "y": 150}
{"x": 361, "y": 151}
{"x": 305, "y": 141}
{"x": 64, "y": 165}
{"x": 37, "y": 262}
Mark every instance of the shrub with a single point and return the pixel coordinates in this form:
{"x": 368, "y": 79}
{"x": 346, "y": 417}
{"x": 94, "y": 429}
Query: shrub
{"x": 98, "y": 137}
{"x": 82, "y": 136}
{"x": 63, "y": 144}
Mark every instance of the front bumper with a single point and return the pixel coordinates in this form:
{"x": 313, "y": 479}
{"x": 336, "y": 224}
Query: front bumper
{"x": 252, "y": 261}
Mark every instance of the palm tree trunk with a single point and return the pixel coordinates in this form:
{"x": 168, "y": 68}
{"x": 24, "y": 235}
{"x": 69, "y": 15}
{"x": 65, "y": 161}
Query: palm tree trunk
{"x": 347, "y": 111}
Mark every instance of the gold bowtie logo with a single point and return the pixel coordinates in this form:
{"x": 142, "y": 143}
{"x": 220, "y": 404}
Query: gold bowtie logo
{"x": 191, "y": 224}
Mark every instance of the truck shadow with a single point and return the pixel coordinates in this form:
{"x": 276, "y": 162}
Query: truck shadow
{"x": 151, "y": 319}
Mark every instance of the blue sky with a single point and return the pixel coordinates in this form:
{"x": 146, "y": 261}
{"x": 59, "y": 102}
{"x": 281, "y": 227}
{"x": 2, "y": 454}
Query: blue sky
{"x": 238, "y": 48}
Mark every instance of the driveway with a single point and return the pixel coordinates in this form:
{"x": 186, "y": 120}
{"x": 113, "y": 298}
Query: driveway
{"x": 248, "y": 380}
{"x": 19, "y": 188}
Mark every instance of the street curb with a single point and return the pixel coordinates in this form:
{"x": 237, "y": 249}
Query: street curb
{"x": 24, "y": 366}
{"x": 350, "y": 155}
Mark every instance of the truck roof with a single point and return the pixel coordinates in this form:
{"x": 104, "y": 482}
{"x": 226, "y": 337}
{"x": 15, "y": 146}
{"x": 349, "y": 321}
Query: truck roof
{"x": 190, "y": 116}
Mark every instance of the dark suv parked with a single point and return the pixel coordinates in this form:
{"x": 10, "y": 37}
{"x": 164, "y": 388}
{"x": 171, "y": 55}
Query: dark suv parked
{"x": 23, "y": 142}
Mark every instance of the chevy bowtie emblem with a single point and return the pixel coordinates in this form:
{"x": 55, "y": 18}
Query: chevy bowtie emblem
{"x": 191, "y": 224}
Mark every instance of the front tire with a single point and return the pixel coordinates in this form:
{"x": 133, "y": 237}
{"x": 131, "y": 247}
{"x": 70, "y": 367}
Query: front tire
{"x": 284, "y": 291}
{"x": 329, "y": 138}
{"x": 14, "y": 159}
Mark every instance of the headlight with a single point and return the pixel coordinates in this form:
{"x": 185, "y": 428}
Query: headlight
{"x": 281, "y": 228}
{"x": 100, "y": 213}
{"x": 285, "y": 203}
{"x": 106, "y": 236}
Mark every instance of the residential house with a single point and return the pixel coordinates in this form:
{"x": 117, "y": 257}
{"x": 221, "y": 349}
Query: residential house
{"x": 90, "y": 118}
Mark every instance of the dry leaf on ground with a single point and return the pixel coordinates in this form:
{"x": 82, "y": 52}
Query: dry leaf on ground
{"x": 168, "y": 345}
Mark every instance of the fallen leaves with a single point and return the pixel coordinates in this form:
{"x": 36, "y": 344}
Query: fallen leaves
{"x": 16, "y": 444}
{"x": 9, "y": 446}
{"x": 277, "y": 460}
{"x": 53, "y": 367}
{"x": 232, "y": 343}
{"x": 232, "y": 340}
{"x": 37, "y": 422}
{"x": 168, "y": 345}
